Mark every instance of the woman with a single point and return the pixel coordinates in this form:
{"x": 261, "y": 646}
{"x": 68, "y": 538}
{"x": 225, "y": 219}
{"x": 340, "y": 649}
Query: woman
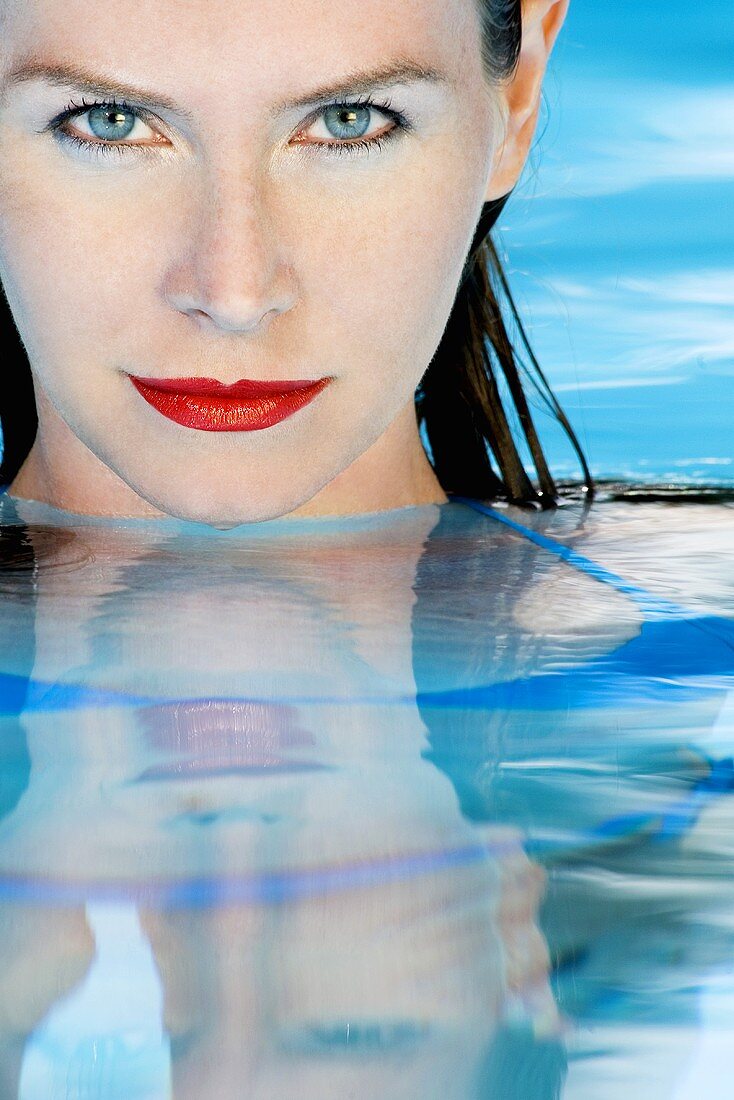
{"x": 315, "y": 214}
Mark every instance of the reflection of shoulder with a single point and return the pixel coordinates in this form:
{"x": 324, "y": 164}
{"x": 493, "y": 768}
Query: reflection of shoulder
{"x": 567, "y": 602}
{"x": 680, "y": 553}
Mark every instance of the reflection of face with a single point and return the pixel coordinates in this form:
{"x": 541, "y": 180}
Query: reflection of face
{"x": 293, "y": 639}
{"x": 390, "y": 991}
{"x": 416, "y": 963}
{"x": 155, "y": 252}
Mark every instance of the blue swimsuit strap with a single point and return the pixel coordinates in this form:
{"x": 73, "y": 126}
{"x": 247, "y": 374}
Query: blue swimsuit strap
{"x": 665, "y": 647}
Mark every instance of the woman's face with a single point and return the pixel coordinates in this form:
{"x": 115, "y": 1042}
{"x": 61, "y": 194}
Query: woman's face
{"x": 223, "y": 218}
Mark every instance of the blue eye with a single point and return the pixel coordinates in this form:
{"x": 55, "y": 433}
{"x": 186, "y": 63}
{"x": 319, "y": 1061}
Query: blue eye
{"x": 346, "y": 127}
{"x": 111, "y": 127}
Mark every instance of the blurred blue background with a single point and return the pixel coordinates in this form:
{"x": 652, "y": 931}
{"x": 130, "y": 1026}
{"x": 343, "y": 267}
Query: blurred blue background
{"x": 619, "y": 238}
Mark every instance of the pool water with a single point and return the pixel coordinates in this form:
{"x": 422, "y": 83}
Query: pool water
{"x": 435, "y": 802}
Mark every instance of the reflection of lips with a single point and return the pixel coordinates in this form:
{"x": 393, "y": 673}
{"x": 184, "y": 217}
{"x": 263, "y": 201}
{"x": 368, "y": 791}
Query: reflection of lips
{"x": 207, "y": 737}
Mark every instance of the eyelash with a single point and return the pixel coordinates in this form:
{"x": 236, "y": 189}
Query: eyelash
{"x": 341, "y": 148}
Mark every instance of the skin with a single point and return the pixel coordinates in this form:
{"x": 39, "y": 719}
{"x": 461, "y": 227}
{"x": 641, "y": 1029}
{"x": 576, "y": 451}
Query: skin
{"x": 227, "y": 248}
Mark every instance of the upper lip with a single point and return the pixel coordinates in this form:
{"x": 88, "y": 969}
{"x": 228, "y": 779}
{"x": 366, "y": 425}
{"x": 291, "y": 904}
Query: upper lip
{"x": 210, "y": 387}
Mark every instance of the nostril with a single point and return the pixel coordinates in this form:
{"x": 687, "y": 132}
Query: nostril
{"x": 229, "y": 320}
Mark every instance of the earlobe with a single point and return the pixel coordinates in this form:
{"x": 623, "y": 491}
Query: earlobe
{"x": 542, "y": 20}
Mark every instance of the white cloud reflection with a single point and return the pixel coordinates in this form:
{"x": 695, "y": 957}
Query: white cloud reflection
{"x": 634, "y": 331}
{"x": 618, "y": 383}
{"x": 617, "y": 136}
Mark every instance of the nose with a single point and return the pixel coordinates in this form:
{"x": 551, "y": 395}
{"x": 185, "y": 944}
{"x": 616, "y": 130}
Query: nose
{"x": 230, "y": 275}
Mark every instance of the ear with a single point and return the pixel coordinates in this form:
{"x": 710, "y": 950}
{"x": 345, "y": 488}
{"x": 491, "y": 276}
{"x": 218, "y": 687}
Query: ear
{"x": 520, "y": 96}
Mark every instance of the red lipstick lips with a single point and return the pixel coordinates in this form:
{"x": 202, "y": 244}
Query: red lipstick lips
{"x": 212, "y": 406}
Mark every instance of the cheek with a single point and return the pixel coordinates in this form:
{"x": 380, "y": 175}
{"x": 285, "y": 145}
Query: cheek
{"x": 384, "y": 270}
{"x": 74, "y": 258}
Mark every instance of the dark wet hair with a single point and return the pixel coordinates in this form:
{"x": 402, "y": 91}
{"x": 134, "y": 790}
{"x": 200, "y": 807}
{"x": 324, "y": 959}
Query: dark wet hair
{"x": 471, "y": 404}
{"x": 18, "y": 416}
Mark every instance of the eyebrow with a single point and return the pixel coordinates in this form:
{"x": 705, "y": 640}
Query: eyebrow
{"x": 400, "y": 70}
{"x": 75, "y": 76}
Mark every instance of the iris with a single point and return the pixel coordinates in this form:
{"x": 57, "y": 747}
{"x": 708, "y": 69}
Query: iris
{"x": 111, "y": 123}
{"x": 347, "y": 121}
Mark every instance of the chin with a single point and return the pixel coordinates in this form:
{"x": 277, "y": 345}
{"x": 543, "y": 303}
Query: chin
{"x": 223, "y": 514}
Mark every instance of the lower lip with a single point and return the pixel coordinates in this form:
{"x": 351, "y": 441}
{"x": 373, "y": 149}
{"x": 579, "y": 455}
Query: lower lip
{"x": 223, "y": 412}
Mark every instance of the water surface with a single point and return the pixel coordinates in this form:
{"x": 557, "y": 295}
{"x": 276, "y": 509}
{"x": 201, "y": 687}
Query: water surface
{"x": 397, "y": 805}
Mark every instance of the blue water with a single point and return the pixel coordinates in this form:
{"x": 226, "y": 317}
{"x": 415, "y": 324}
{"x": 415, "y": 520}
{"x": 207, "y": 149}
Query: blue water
{"x": 430, "y": 803}
{"x": 620, "y": 238}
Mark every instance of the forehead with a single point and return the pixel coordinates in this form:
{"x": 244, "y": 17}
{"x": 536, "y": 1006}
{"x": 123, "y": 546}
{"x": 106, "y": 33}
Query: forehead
{"x": 257, "y": 41}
